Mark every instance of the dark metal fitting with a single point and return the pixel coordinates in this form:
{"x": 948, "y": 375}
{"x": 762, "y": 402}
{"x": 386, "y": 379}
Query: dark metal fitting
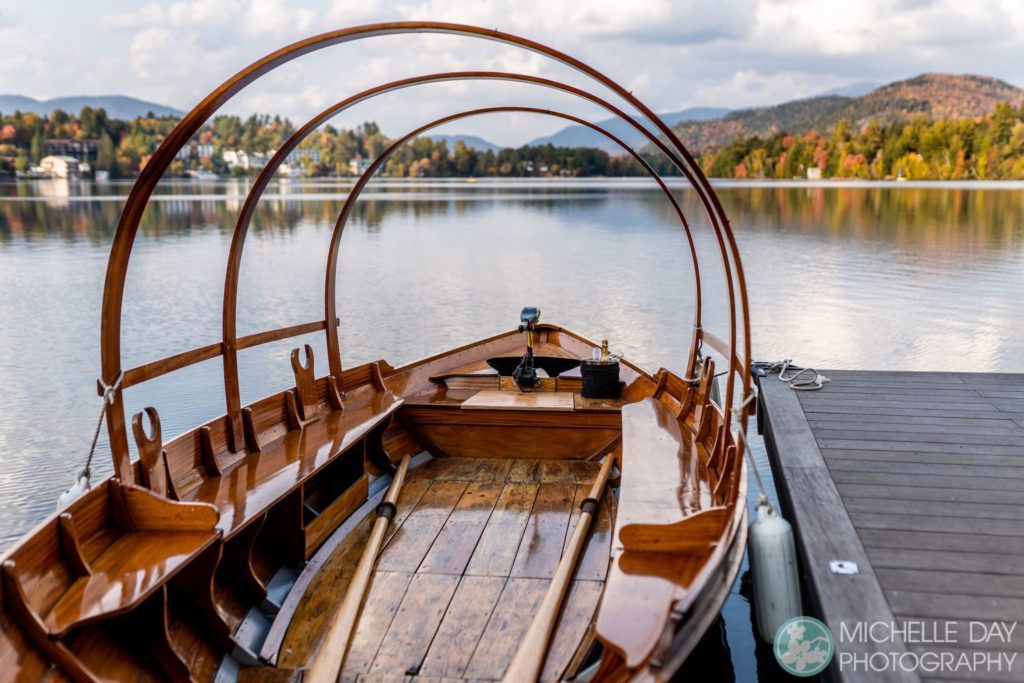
{"x": 387, "y": 510}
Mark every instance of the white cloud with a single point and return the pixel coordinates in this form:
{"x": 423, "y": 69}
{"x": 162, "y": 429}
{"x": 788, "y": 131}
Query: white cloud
{"x": 671, "y": 53}
{"x": 149, "y": 51}
{"x": 275, "y": 18}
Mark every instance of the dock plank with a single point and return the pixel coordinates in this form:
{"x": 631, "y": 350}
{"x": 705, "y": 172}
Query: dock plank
{"x": 950, "y": 472}
{"x": 944, "y": 541}
{"x": 963, "y": 436}
{"x": 901, "y": 506}
{"x": 922, "y": 457}
{"x": 959, "y": 605}
{"x": 928, "y": 469}
{"x": 966, "y": 583}
{"x": 908, "y": 558}
{"x": 858, "y": 476}
{"x": 885, "y": 420}
{"x": 911, "y": 446}
{"x": 930, "y": 493}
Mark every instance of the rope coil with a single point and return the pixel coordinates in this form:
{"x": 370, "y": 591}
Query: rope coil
{"x": 804, "y": 379}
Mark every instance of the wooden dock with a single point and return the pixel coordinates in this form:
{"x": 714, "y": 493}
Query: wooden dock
{"x": 919, "y": 479}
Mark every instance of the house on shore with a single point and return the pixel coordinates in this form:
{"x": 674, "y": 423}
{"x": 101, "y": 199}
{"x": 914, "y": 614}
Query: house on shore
{"x": 237, "y": 158}
{"x": 60, "y": 166}
{"x": 82, "y": 150}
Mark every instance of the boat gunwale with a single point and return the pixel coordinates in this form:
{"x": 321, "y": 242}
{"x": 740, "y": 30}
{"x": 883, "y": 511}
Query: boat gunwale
{"x": 390, "y": 372}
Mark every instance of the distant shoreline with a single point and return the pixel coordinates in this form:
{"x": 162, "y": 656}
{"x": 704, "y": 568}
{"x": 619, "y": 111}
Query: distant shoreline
{"x": 674, "y": 181}
{"x": 236, "y": 189}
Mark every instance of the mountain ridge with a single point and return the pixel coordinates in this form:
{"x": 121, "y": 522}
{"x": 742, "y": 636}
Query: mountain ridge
{"x": 936, "y": 95}
{"x": 116, "y": 106}
{"x": 576, "y": 135}
{"x": 475, "y": 141}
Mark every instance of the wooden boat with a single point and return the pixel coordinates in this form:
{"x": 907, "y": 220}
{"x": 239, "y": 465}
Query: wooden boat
{"x": 439, "y": 520}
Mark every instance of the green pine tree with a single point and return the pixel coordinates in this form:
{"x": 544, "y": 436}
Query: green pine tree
{"x": 106, "y": 159}
{"x": 37, "y": 148}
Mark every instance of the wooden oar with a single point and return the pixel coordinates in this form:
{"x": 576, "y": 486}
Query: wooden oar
{"x": 529, "y": 658}
{"x": 327, "y": 665}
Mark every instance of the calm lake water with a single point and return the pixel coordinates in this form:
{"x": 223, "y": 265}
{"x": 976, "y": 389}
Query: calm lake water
{"x": 869, "y": 276}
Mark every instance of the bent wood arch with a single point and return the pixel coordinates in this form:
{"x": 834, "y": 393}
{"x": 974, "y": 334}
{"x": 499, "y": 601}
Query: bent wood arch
{"x": 230, "y": 344}
{"x": 331, "y": 280}
{"x": 113, "y": 294}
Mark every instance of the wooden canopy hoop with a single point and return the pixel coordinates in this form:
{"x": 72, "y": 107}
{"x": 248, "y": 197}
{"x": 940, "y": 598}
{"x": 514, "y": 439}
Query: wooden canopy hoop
{"x": 331, "y": 282}
{"x": 232, "y": 273}
{"x": 113, "y": 294}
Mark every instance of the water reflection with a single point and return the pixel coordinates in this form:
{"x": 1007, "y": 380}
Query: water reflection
{"x": 894, "y": 277}
{"x": 933, "y": 220}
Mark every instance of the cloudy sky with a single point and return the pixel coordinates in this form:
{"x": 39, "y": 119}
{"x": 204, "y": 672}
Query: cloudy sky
{"x": 672, "y": 53}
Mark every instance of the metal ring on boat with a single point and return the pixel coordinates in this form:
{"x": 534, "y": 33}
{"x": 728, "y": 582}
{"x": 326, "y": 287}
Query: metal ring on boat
{"x": 387, "y": 510}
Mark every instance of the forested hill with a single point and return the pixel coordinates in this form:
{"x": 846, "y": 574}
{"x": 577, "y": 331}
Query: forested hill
{"x": 938, "y": 96}
{"x": 116, "y": 106}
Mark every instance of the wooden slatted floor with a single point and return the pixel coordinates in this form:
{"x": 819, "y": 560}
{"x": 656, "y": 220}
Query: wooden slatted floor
{"x": 474, "y": 545}
{"x": 920, "y": 478}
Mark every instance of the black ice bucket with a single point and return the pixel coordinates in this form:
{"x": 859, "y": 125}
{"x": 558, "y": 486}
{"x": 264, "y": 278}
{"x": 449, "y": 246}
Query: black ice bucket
{"x": 600, "y": 379}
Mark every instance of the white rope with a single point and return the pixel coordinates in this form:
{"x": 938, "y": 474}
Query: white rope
{"x": 738, "y": 412}
{"x": 83, "y": 482}
{"x": 762, "y": 496}
{"x": 805, "y": 379}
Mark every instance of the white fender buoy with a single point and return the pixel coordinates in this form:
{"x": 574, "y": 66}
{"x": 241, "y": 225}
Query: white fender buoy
{"x": 773, "y": 569}
{"x": 80, "y": 486}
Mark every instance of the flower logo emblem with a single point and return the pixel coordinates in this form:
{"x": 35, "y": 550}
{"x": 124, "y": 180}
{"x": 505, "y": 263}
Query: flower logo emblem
{"x": 804, "y": 646}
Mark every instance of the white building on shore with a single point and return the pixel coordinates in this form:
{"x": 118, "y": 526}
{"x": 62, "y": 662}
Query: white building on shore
{"x": 237, "y": 158}
{"x": 60, "y": 166}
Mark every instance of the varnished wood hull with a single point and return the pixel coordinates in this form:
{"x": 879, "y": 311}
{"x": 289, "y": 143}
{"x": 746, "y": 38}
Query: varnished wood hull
{"x": 133, "y": 583}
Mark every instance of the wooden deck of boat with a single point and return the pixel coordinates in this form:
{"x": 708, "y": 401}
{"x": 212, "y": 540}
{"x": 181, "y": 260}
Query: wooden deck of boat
{"x": 919, "y": 478}
{"x": 469, "y": 557}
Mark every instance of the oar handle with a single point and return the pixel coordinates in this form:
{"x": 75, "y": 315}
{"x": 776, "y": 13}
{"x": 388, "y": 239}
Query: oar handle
{"x": 529, "y": 658}
{"x": 329, "y": 661}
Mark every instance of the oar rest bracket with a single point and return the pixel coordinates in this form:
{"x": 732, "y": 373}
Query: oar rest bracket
{"x": 703, "y": 408}
{"x": 115, "y": 547}
{"x": 156, "y": 475}
{"x": 304, "y": 400}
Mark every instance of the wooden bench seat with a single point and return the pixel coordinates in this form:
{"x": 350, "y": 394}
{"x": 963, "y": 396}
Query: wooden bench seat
{"x": 264, "y": 478}
{"x": 115, "y": 547}
{"x": 128, "y": 572}
{"x": 665, "y": 525}
{"x": 663, "y": 479}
